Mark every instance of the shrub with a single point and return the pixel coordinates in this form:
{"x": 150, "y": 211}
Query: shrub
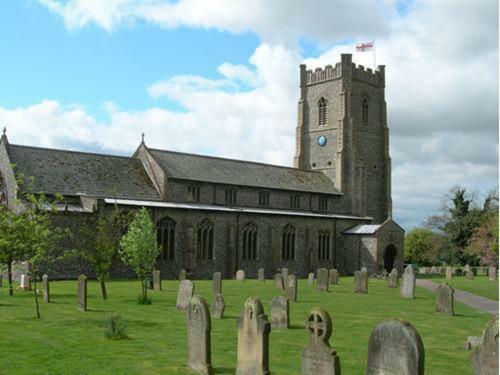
{"x": 144, "y": 300}
{"x": 115, "y": 327}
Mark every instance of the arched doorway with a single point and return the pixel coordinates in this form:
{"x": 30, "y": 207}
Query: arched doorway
{"x": 389, "y": 257}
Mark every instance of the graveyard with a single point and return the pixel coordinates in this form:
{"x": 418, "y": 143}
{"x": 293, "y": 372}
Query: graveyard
{"x": 67, "y": 340}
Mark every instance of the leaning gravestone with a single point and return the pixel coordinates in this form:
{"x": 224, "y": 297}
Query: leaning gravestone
{"x": 392, "y": 279}
{"x": 217, "y": 283}
{"x": 449, "y": 273}
{"x": 186, "y": 290}
{"x": 82, "y": 293}
{"x": 182, "y": 275}
{"x": 310, "y": 278}
{"x": 284, "y": 273}
{"x": 444, "y": 298}
{"x": 395, "y": 347}
{"x": 280, "y": 312}
{"x": 240, "y": 275}
{"x": 469, "y": 275}
{"x": 360, "y": 282}
{"x": 322, "y": 280}
{"x": 408, "y": 283}
{"x": 333, "y": 276}
{"x": 484, "y": 358}
{"x": 291, "y": 288}
{"x": 319, "y": 358}
{"x": 492, "y": 273}
{"x": 278, "y": 281}
{"x": 198, "y": 336}
{"x": 45, "y": 289}
{"x": 253, "y": 340}
{"x": 261, "y": 275}
{"x": 156, "y": 280}
{"x": 218, "y": 306}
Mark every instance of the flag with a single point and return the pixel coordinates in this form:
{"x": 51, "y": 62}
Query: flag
{"x": 363, "y": 47}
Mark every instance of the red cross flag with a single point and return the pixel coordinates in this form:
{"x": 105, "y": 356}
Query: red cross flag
{"x": 363, "y": 47}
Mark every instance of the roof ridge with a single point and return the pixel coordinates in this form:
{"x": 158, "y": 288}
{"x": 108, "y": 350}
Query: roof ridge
{"x": 72, "y": 151}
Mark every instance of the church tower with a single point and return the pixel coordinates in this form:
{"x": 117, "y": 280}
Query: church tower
{"x": 342, "y": 131}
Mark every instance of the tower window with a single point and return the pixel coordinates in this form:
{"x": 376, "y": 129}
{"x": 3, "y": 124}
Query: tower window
{"x": 365, "y": 110}
{"x": 193, "y": 192}
{"x": 165, "y": 235}
{"x": 249, "y": 240}
{"x": 295, "y": 201}
{"x": 205, "y": 240}
{"x": 323, "y": 245}
{"x": 288, "y": 243}
{"x": 230, "y": 195}
{"x": 322, "y": 112}
{"x": 323, "y": 203}
{"x": 264, "y": 199}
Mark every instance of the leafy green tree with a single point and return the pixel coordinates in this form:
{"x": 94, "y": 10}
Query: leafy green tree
{"x": 421, "y": 247}
{"x": 138, "y": 248}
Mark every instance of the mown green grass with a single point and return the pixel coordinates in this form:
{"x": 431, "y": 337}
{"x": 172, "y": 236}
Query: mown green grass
{"x": 67, "y": 341}
{"x": 481, "y": 285}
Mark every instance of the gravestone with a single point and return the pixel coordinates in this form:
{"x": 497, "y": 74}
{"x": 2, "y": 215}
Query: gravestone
{"x": 408, "y": 283}
{"x": 218, "y": 306}
{"x": 364, "y": 269}
{"x": 22, "y": 282}
{"x": 434, "y": 270}
{"x": 319, "y": 358}
{"x": 284, "y": 273}
{"x": 492, "y": 273}
{"x": 469, "y": 275}
{"x": 261, "y": 275}
{"x": 484, "y": 358}
{"x": 45, "y": 289}
{"x": 186, "y": 290}
{"x": 82, "y": 293}
{"x": 360, "y": 282}
{"x": 395, "y": 347}
{"x": 182, "y": 275}
{"x": 392, "y": 279}
{"x": 156, "y": 280}
{"x": 466, "y": 268}
{"x": 25, "y": 283}
{"x": 310, "y": 278}
{"x": 198, "y": 336}
{"x": 278, "y": 281}
{"x": 333, "y": 276}
{"x": 217, "y": 283}
{"x": 473, "y": 342}
{"x": 444, "y": 298}
{"x": 280, "y": 312}
{"x": 449, "y": 273}
{"x": 253, "y": 340}
{"x": 322, "y": 280}
{"x": 240, "y": 275}
{"x": 291, "y": 288}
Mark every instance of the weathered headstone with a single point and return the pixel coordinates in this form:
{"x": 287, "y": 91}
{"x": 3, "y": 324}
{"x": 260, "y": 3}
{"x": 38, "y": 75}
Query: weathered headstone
{"x": 469, "y": 275}
{"x": 492, "y": 273}
{"x": 186, "y": 290}
{"x": 218, "y": 306}
{"x": 444, "y": 298}
{"x": 253, "y": 340}
{"x": 280, "y": 312}
{"x": 25, "y": 283}
{"x": 217, "y": 283}
{"x": 360, "y": 282}
{"x": 319, "y": 358}
{"x": 395, "y": 347}
{"x": 82, "y": 293}
{"x": 333, "y": 276}
{"x": 182, "y": 275}
{"x": 434, "y": 270}
{"x": 278, "y": 281}
{"x": 473, "y": 342}
{"x": 22, "y": 282}
{"x": 261, "y": 275}
{"x": 392, "y": 279}
{"x": 484, "y": 358}
{"x": 322, "y": 280}
{"x": 467, "y": 268}
{"x": 284, "y": 273}
{"x": 240, "y": 275}
{"x": 310, "y": 278}
{"x": 199, "y": 336}
{"x": 156, "y": 280}
{"x": 364, "y": 269}
{"x": 45, "y": 289}
{"x": 449, "y": 273}
{"x": 291, "y": 288}
{"x": 408, "y": 283}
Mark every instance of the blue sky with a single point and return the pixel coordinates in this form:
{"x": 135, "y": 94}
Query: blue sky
{"x": 221, "y": 78}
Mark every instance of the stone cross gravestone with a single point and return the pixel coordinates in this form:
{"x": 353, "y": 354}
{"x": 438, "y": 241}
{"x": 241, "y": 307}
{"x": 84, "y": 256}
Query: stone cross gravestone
{"x": 278, "y": 281}
{"x": 444, "y": 298}
{"x": 469, "y": 275}
{"x": 198, "y": 336}
{"x": 261, "y": 275}
{"x": 156, "y": 280}
{"x": 392, "y": 279}
{"x": 310, "y": 278}
{"x": 484, "y": 358}
{"x": 45, "y": 289}
{"x": 333, "y": 276}
{"x": 291, "y": 289}
{"x": 217, "y": 283}
{"x": 492, "y": 273}
{"x": 186, "y": 290}
{"x": 280, "y": 312}
{"x": 240, "y": 275}
{"x": 218, "y": 306}
{"x": 322, "y": 280}
{"x": 319, "y": 358}
{"x": 360, "y": 282}
{"x": 408, "y": 283}
{"x": 449, "y": 273}
{"x": 253, "y": 340}
{"x": 284, "y": 273}
{"x": 395, "y": 347}
{"x": 82, "y": 293}
{"x": 182, "y": 275}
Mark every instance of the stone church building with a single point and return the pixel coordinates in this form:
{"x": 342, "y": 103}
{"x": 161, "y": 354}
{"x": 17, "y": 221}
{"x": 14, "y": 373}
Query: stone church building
{"x": 332, "y": 209}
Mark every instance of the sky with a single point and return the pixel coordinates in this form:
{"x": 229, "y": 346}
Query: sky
{"x": 221, "y": 78}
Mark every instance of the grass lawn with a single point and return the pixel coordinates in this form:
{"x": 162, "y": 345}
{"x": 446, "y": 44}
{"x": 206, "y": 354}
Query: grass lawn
{"x": 481, "y": 285}
{"x": 66, "y": 341}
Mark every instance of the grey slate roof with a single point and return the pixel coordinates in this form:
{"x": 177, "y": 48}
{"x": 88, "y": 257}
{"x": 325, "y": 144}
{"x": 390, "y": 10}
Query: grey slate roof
{"x": 71, "y": 172}
{"x": 238, "y": 172}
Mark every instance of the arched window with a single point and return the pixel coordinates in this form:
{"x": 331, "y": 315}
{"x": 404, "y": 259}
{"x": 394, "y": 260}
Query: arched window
{"x": 365, "y": 110}
{"x": 165, "y": 235}
{"x": 323, "y": 245}
{"x": 205, "y": 240}
{"x": 288, "y": 243}
{"x": 249, "y": 239}
{"x": 322, "y": 112}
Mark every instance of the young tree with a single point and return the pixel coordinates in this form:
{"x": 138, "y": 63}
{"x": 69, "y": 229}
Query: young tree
{"x": 138, "y": 248}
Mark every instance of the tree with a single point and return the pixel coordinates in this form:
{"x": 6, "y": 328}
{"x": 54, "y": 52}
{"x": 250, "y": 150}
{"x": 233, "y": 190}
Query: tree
{"x": 483, "y": 243}
{"x": 138, "y": 248}
{"x": 421, "y": 247}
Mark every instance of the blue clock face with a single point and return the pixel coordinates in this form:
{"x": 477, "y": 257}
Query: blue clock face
{"x": 322, "y": 141}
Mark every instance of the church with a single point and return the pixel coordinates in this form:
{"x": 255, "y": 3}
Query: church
{"x": 332, "y": 209}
